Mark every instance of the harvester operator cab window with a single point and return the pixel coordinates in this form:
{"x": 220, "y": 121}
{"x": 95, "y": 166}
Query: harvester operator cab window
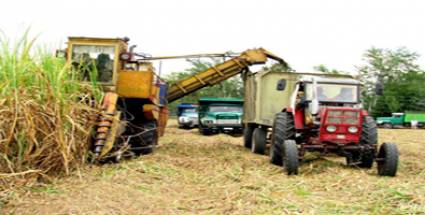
{"x": 94, "y": 61}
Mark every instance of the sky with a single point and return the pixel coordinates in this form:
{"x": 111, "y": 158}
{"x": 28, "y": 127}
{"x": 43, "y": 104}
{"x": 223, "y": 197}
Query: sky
{"x": 305, "y": 33}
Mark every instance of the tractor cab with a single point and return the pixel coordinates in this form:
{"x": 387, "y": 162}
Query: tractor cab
{"x": 314, "y": 96}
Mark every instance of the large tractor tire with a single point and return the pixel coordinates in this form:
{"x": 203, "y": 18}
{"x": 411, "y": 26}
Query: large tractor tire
{"x": 387, "y": 159}
{"x": 290, "y": 158}
{"x": 247, "y": 135}
{"x": 148, "y": 139}
{"x": 259, "y": 141}
{"x": 369, "y": 137}
{"x": 283, "y": 129}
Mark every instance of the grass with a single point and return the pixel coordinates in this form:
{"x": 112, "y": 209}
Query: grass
{"x": 194, "y": 174}
{"x": 44, "y": 123}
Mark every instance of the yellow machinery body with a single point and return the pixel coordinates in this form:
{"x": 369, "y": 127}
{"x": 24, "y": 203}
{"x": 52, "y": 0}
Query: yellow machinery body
{"x": 134, "y": 108}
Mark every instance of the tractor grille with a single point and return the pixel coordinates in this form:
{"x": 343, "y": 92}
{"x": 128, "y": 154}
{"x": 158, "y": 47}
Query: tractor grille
{"x": 343, "y": 117}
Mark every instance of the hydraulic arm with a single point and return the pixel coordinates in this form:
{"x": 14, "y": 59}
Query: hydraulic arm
{"x": 220, "y": 72}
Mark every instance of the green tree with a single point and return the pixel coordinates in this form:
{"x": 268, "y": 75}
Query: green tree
{"x": 324, "y": 69}
{"x": 400, "y": 77}
{"x": 277, "y": 67}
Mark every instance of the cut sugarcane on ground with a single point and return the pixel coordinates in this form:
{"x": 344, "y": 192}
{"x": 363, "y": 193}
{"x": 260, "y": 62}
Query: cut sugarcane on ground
{"x": 190, "y": 173}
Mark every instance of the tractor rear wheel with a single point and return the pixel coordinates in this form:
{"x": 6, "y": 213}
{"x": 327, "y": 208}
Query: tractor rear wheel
{"x": 247, "y": 135}
{"x": 290, "y": 158}
{"x": 259, "y": 141}
{"x": 368, "y": 137}
{"x": 283, "y": 129}
{"x": 387, "y": 159}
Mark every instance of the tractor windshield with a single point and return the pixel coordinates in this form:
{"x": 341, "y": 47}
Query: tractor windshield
{"x": 94, "y": 61}
{"x": 333, "y": 93}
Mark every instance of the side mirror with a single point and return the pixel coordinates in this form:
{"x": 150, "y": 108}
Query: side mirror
{"x": 60, "y": 53}
{"x": 281, "y": 85}
{"x": 379, "y": 89}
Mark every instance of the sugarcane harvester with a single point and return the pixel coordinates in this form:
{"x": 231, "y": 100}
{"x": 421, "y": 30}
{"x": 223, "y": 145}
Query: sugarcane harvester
{"x": 134, "y": 110}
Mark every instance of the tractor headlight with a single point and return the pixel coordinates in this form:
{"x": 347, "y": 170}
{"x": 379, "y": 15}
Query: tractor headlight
{"x": 331, "y": 128}
{"x": 353, "y": 129}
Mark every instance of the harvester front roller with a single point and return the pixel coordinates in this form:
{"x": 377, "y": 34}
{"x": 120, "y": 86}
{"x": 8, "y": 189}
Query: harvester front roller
{"x": 107, "y": 127}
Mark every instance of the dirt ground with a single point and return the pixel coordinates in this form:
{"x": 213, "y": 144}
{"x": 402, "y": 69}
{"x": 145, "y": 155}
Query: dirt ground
{"x": 194, "y": 174}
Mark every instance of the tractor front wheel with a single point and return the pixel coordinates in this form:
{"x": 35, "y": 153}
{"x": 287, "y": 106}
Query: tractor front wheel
{"x": 369, "y": 137}
{"x": 290, "y": 158}
{"x": 283, "y": 129}
{"x": 387, "y": 159}
{"x": 259, "y": 139}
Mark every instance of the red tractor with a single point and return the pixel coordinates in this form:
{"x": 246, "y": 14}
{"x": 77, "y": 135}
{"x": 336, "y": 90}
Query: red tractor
{"x": 325, "y": 115}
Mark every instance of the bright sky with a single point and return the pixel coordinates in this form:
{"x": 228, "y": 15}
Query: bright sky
{"x": 306, "y": 33}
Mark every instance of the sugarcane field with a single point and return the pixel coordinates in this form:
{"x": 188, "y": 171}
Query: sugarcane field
{"x": 212, "y": 107}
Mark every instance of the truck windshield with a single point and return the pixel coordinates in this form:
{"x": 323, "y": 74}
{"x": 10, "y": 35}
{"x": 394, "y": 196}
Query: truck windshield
{"x": 225, "y": 108}
{"x": 189, "y": 110}
{"x": 333, "y": 93}
{"x": 91, "y": 58}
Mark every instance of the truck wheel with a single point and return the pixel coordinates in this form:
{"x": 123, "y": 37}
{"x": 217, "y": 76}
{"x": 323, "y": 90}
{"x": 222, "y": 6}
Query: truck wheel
{"x": 247, "y": 135}
{"x": 204, "y": 131}
{"x": 290, "y": 158}
{"x": 369, "y": 137}
{"x": 387, "y": 159}
{"x": 259, "y": 139}
{"x": 148, "y": 139}
{"x": 283, "y": 129}
{"x": 387, "y": 125}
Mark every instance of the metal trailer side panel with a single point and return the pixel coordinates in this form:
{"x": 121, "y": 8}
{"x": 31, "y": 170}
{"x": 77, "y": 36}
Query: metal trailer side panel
{"x": 262, "y": 99}
{"x": 270, "y": 100}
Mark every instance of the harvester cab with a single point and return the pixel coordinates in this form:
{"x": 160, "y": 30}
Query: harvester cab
{"x": 133, "y": 111}
{"x": 326, "y": 115}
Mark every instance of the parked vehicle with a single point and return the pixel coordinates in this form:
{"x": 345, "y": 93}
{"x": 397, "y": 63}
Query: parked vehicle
{"x": 220, "y": 115}
{"x": 300, "y": 112}
{"x": 402, "y": 120}
{"x": 187, "y": 115}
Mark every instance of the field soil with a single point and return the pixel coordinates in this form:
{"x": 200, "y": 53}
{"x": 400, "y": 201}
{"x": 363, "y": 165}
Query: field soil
{"x": 194, "y": 174}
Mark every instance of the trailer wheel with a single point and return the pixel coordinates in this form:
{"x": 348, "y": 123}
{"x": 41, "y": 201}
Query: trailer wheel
{"x": 283, "y": 129}
{"x": 259, "y": 139}
{"x": 369, "y": 137}
{"x": 387, "y": 159}
{"x": 290, "y": 158}
{"x": 247, "y": 135}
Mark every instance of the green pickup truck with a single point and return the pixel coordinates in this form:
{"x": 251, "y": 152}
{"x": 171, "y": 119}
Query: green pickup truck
{"x": 402, "y": 120}
{"x": 220, "y": 115}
